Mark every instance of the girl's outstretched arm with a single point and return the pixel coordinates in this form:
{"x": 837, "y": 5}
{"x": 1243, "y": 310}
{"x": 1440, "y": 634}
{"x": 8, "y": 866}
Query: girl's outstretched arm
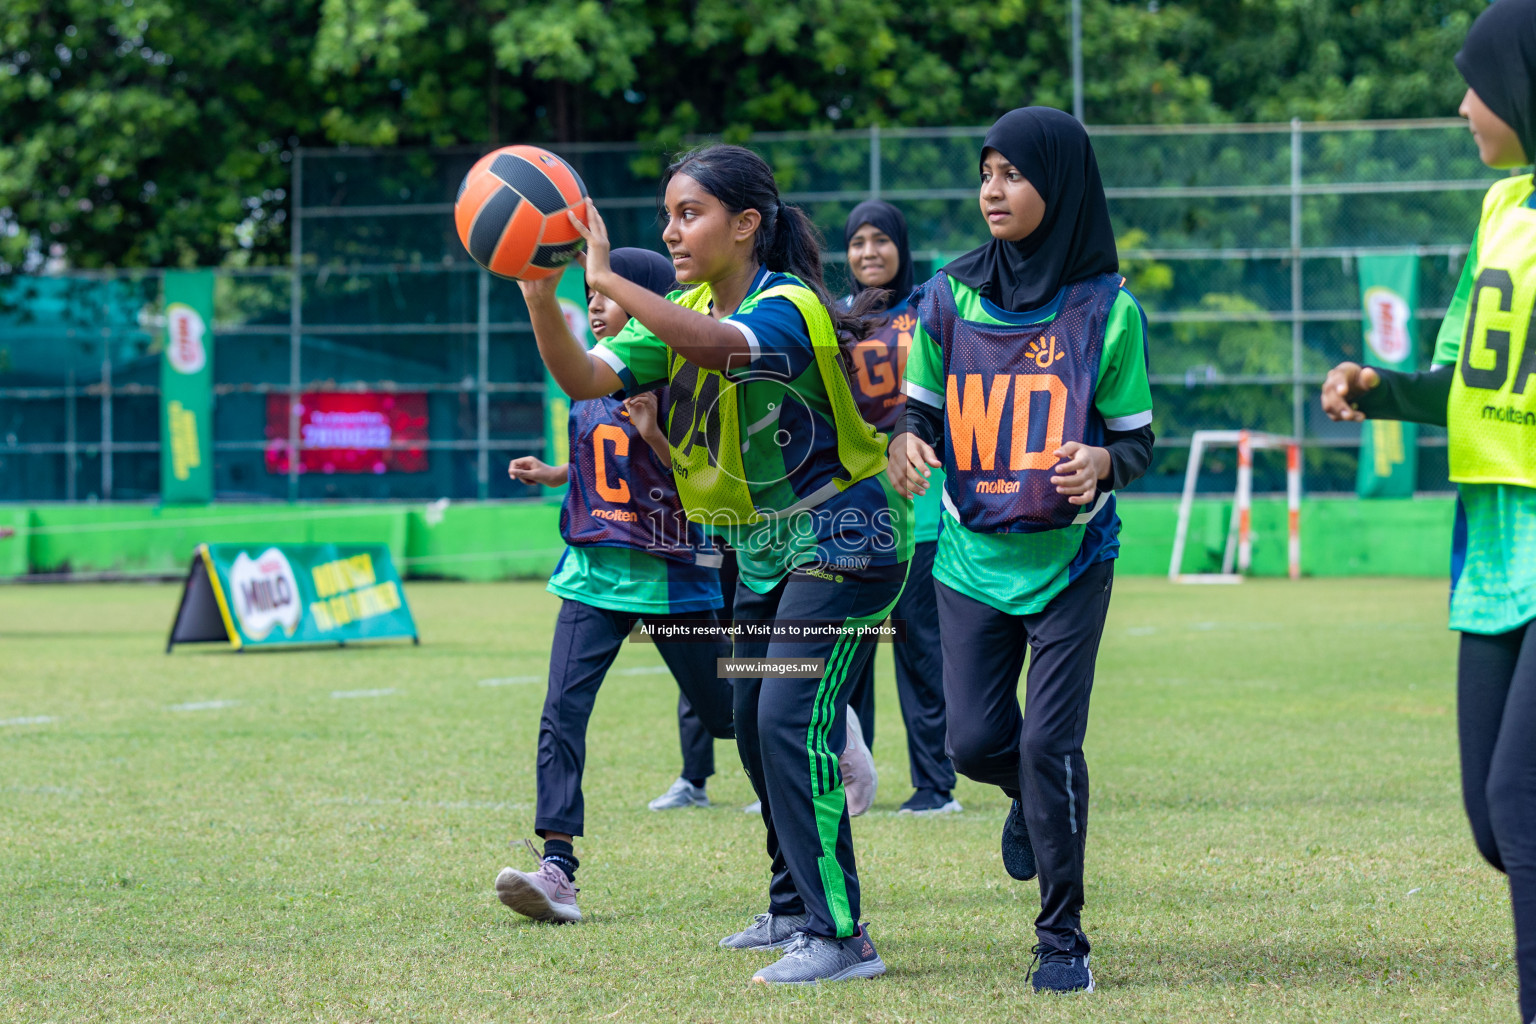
{"x": 702, "y": 340}
{"x": 579, "y": 374}
{"x": 1354, "y": 392}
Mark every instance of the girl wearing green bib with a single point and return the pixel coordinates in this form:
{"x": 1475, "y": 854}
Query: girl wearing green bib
{"x": 770, "y": 451}
{"x": 1482, "y": 388}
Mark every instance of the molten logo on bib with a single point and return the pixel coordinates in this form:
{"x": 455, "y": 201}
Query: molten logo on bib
{"x": 266, "y": 594}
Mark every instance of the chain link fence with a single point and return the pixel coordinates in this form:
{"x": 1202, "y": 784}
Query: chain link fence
{"x": 1239, "y": 240}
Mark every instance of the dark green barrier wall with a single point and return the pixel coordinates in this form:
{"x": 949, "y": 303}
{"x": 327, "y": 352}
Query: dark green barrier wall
{"x": 488, "y": 541}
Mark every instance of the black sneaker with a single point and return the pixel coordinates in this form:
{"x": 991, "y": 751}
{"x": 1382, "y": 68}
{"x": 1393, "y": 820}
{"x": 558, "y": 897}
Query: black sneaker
{"x": 930, "y": 801}
{"x": 1018, "y": 854}
{"x": 1056, "y": 970}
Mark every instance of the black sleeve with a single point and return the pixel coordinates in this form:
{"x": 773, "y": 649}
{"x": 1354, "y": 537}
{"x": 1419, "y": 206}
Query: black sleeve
{"x": 926, "y": 422}
{"x": 1130, "y": 453}
{"x": 1415, "y": 397}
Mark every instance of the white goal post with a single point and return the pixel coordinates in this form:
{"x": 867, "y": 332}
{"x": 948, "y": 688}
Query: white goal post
{"x": 1239, "y": 551}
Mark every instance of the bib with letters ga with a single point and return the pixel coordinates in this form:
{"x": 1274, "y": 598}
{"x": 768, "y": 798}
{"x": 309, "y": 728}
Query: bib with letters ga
{"x": 1491, "y": 416}
{"x": 1013, "y": 395}
{"x": 879, "y": 363}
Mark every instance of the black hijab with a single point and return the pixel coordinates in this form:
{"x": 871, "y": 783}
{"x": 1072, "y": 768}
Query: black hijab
{"x": 888, "y": 219}
{"x": 1074, "y": 241}
{"x": 1497, "y": 60}
{"x": 649, "y": 270}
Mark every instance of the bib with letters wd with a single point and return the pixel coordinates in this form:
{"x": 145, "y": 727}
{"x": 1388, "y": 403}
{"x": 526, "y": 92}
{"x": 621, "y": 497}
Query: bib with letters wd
{"x": 879, "y": 363}
{"x": 1491, "y": 416}
{"x": 704, "y": 422}
{"x": 1013, "y": 395}
{"x": 619, "y": 494}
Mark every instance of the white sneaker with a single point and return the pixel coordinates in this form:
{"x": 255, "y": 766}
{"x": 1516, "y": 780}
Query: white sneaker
{"x": 755, "y": 807}
{"x": 682, "y": 793}
{"x": 860, "y": 780}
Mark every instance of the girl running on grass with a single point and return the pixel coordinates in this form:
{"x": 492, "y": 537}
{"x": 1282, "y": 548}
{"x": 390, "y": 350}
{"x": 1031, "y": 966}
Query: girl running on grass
{"x": 1481, "y": 389}
{"x": 1028, "y": 384}
{"x": 880, "y": 263}
{"x": 769, "y": 448}
{"x": 632, "y": 555}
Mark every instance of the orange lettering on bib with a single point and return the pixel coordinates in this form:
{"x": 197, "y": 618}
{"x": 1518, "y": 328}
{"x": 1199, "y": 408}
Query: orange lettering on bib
{"x": 608, "y": 432}
{"x": 1055, "y": 421}
{"x": 975, "y": 421}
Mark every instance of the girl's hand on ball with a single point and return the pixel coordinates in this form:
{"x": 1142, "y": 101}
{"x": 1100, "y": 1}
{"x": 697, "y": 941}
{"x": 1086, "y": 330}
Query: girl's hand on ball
{"x": 1343, "y": 387}
{"x": 595, "y": 259}
{"x": 545, "y": 289}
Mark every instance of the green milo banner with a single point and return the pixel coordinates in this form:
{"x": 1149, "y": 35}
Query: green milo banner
{"x": 274, "y": 595}
{"x": 557, "y": 407}
{"x": 1389, "y": 294}
{"x": 186, "y": 389}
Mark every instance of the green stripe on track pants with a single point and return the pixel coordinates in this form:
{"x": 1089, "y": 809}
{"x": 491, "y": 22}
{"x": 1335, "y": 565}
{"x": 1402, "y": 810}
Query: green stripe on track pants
{"x": 791, "y": 731}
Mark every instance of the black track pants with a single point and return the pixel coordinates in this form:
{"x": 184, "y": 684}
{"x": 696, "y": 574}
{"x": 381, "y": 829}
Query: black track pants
{"x": 1496, "y": 717}
{"x": 697, "y": 744}
{"x": 587, "y": 639}
{"x": 919, "y": 679}
{"x": 791, "y": 732}
{"x": 1035, "y": 755}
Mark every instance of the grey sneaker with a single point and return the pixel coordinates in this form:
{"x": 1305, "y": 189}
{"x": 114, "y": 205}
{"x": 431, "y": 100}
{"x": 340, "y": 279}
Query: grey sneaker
{"x": 544, "y": 895}
{"x": 755, "y": 807}
{"x": 810, "y": 959}
{"x": 681, "y": 794}
{"x": 767, "y": 931}
{"x": 860, "y": 780}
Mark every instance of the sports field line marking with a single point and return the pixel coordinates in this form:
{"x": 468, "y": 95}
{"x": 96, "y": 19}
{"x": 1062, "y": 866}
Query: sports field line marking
{"x": 42, "y": 790}
{"x": 33, "y": 720}
{"x": 446, "y": 805}
{"x": 387, "y": 691}
{"x": 203, "y": 705}
{"x": 640, "y": 670}
{"x": 510, "y": 680}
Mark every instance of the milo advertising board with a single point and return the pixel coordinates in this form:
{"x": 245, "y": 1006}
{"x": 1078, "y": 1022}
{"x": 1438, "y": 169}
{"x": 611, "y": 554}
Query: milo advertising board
{"x": 252, "y": 595}
{"x": 186, "y": 389}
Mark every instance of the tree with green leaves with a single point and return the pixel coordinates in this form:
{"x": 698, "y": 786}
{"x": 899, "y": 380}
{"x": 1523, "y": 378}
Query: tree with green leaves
{"x": 159, "y": 132}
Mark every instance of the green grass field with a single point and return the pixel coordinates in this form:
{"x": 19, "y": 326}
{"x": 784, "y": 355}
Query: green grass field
{"x": 1276, "y": 830}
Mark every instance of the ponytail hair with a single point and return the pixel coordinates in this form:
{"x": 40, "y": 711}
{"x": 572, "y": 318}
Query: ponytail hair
{"x": 786, "y": 240}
